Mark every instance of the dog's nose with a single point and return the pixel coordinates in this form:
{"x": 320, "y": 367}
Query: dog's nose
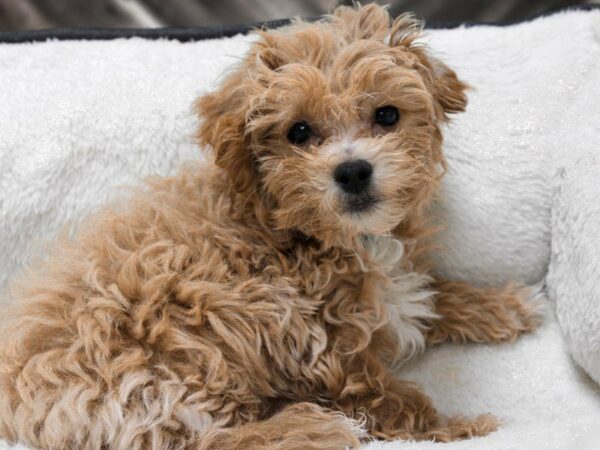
{"x": 353, "y": 176}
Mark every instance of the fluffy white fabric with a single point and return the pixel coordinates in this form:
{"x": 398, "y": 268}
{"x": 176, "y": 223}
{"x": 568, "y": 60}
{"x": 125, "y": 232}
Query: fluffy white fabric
{"x": 574, "y": 275}
{"x": 80, "y": 119}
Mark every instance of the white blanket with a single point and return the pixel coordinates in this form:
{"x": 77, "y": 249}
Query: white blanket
{"x": 574, "y": 274}
{"x": 80, "y": 119}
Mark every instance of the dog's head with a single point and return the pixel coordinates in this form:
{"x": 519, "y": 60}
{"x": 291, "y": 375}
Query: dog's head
{"x": 335, "y": 123}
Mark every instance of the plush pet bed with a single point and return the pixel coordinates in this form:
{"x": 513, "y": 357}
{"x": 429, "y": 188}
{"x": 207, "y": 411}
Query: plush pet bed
{"x": 79, "y": 119}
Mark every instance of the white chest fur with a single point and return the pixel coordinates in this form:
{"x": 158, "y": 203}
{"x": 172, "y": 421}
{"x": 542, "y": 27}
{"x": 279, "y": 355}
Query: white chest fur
{"x": 408, "y": 296}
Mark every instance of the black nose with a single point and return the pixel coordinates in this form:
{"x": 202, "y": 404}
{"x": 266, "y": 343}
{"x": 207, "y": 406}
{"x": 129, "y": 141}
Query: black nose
{"x": 353, "y": 176}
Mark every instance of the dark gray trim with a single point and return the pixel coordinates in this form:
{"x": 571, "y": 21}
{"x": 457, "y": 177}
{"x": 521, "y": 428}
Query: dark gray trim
{"x": 202, "y": 33}
{"x": 102, "y": 34}
{"x": 446, "y": 25}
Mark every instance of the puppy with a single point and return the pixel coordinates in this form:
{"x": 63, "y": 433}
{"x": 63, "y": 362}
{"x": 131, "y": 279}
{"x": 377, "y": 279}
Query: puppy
{"x": 260, "y": 302}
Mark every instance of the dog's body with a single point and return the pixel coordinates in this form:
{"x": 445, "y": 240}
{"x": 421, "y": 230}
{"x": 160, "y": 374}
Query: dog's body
{"x": 252, "y": 305}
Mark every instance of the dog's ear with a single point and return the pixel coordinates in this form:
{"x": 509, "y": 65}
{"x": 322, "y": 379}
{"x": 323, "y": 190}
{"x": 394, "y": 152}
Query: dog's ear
{"x": 223, "y": 121}
{"x": 366, "y": 22}
{"x": 268, "y": 55}
{"x": 447, "y": 89}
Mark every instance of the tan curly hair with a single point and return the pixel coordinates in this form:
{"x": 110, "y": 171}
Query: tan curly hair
{"x": 260, "y": 301}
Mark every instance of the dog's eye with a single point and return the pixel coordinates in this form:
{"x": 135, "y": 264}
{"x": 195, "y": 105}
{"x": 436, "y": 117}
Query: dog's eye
{"x": 299, "y": 133}
{"x": 386, "y": 116}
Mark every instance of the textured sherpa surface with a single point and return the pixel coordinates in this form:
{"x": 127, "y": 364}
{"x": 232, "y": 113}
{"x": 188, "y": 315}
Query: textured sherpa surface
{"x": 574, "y": 276}
{"x": 78, "y": 120}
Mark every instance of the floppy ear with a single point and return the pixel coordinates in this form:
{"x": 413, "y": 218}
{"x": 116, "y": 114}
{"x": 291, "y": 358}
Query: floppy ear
{"x": 223, "y": 121}
{"x": 447, "y": 89}
{"x": 268, "y": 54}
{"x": 366, "y": 22}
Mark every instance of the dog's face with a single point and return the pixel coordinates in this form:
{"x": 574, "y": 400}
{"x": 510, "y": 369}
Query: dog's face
{"x": 336, "y": 123}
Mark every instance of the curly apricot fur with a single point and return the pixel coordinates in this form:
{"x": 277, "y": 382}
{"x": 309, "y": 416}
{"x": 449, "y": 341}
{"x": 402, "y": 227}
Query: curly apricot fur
{"x": 237, "y": 305}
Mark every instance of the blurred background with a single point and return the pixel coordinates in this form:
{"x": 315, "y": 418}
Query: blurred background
{"x": 39, "y": 14}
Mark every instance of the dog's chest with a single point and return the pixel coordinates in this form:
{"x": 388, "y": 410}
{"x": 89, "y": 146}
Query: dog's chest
{"x": 384, "y": 253}
{"x": 406, "y": 295}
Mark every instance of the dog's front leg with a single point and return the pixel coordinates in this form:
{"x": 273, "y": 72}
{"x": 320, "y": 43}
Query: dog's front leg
{"x": 469, "y": 314}
{"x": 397, "y": 409}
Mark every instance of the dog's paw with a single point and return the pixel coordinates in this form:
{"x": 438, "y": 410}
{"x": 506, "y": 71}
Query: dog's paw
{"x": 489, "y": 315}
{"x": 458, "y": 428}
{"x": 528, "y": 306}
